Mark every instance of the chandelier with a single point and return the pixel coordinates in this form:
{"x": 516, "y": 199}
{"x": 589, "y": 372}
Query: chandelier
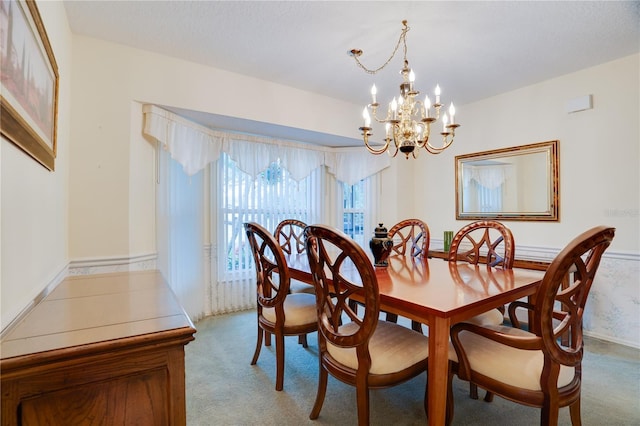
{"x": 408, "y": 120}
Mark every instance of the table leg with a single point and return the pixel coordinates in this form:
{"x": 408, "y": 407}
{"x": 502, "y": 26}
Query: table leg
{"x": 438, "y": 370}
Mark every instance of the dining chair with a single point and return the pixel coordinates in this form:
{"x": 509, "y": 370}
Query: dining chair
{"x": 290, "y": 235}
{"x": 279, "y": 312}
{"x": 488, "y": 242}
{"x": 410, "y": 237}
{"x": 356, "y": 349}
{"x": 535, "y": 367}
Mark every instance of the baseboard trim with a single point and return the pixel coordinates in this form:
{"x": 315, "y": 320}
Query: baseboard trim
{"x": 610, "y": 339}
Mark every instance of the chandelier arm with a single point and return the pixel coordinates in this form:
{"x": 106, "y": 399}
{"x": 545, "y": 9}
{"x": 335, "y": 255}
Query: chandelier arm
{"x": 395, "y": 153}
{"x": 447, "y": 142}
{"x": 372, "y": 150}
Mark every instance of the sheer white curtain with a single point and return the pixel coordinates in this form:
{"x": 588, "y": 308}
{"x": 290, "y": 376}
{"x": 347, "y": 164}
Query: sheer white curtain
{"x": 180, "y": 232}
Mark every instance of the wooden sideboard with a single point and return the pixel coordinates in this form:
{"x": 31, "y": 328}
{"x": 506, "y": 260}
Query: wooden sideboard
{"x": 102, "y": 349}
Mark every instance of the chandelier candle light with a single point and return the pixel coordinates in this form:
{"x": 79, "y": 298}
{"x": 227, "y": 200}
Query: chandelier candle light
{"x": 408, "y": 121}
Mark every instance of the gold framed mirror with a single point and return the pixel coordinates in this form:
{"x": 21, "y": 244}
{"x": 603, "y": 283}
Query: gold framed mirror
{"x": 517, "y": 183}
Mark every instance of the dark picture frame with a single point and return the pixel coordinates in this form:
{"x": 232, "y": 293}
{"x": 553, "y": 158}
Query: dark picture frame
{"x": 29, "y": 95}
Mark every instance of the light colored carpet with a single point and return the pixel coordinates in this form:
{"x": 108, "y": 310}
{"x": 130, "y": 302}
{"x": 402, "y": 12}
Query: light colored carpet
{"x": 224, "y": 389}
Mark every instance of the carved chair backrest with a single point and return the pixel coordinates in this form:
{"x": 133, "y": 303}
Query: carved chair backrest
{"x": 340, "y": 269}
{"x": 581, "y": 257}
{"x": 410, "y": 237}
{"x": 272, "y": 273}
{"x": 485, "y": 241}
{"x": 290, "y": 235}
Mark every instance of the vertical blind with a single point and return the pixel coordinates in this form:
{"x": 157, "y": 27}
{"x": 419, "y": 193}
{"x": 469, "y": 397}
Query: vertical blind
{"x": 268, "y": 199}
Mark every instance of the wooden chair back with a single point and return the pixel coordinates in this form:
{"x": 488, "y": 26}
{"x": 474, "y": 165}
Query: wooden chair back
{"x": 410, "y": 237}
{"x": 579, "y": 260}
{"x": 290, "y": 235}
{"x": 272, "y": 273}
{"x": 485, "y": 241}
{"x": 341, "y": 270}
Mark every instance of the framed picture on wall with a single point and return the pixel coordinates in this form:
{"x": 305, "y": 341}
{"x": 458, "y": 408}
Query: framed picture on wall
{"x": 29, "y": 96}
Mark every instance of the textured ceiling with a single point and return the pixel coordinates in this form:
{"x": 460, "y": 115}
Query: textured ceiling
{"x": 473, "y": 49}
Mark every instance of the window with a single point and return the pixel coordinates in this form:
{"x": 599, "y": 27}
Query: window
{"x": 267, "y": 200}
{"x": 353, "y": 205}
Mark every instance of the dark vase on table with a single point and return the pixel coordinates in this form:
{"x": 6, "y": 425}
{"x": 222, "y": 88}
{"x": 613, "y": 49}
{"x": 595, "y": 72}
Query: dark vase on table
{"x": 381, "y": 246}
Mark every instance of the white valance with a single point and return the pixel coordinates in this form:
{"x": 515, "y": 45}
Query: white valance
{"x": 254, "y": 156}
{"x": 195, "y": 146}
{"x": 490, "y": 177}
{"x": 191, "y": 145}
{"x": 351, "y": 165}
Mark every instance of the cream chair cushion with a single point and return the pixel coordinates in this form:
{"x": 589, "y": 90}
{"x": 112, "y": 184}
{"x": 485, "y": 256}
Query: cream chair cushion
{"x": 296, "y": 286}
{"x": 299, "y": 308}
{"x": 516, "y": 367}
{"x": 392, "y": 348}
{"x": 492, "y": 317}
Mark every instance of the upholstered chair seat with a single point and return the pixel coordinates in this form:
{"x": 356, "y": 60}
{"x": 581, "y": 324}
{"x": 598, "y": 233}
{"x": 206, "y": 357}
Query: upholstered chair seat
{"x": 296, "y": 286}
{"x": 518, "y": 367}
{"x": 490, "y": 318}
{"x": 392, "y": 348}
{"x": 299, "y": 309}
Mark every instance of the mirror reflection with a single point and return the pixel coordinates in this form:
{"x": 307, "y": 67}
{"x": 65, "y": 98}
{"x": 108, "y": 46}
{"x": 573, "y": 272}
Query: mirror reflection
{"x": 518, "y": 183}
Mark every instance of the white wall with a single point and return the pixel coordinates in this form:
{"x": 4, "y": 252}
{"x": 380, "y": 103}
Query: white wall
{"x": 112, "y": 170}
{"x": 34, "y": 200}
{"x": 599, "y": 153}
{"x": 599, "y": 178}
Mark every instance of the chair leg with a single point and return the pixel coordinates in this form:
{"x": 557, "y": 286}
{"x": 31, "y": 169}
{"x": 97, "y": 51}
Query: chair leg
{"x": 574, "y": 411}
{"x": 488, "y": 397}
{"x": 302, "y": 340}
{"x": 362, "y": 397}
{"x": 353, "y": 305}
{"x": 549, "y": 414}
{"x": 279, "y": 361}
{"x": 391, "y": 317}
{"x": 473, "y": 390}
{"x": 256, "y": 354}
{"x": 322, "y": 390}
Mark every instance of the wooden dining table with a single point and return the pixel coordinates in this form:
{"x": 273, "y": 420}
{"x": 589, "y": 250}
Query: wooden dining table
{"x": 439, "y": 293}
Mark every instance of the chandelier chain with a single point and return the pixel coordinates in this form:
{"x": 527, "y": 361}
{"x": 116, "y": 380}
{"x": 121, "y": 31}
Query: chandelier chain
{"x": 403, "y": 39}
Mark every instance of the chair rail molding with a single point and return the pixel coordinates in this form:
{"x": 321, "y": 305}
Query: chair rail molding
{"x": 101, "y": 265}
